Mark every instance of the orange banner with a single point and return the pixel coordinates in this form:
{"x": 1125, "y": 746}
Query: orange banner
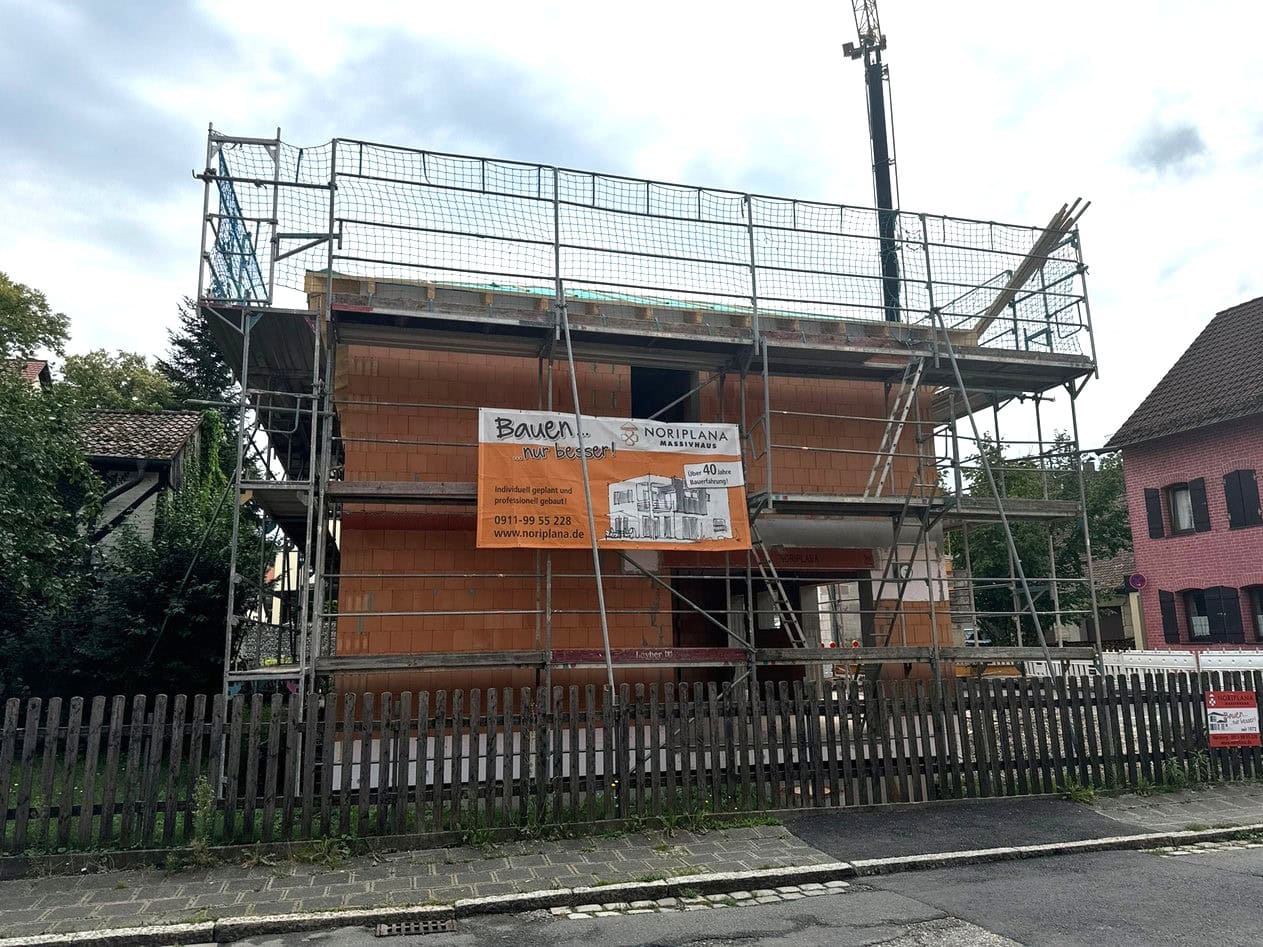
{"x": 655, "y": 485}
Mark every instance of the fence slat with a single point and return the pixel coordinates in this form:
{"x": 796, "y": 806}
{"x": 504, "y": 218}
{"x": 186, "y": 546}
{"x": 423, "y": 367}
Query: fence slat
{"x": 1065, "y": 724}
{"x": 1083, "y": 702}
{"x": 214, "y": 757}
{"x": 846, "y": 765}
{"x": 8, "y": 741}
{"x": 458, "y": 760}
{"x": 328, "y": 758}
{"x": 621, "y": 733}
{"x": 425, "y": 761}
{"x": 728, "y": 724}
{"x": 589, "y": 750}
{"x": 945, "y": 702}
{"x": 346, "y": 765}
{"x": 671, "y": 734}
{"x": 293, "y": 760}
{"x": 232, "y": 762}
{"x": 364, "y": 727}
{"x": 899, "y": 737}
{"x": 271, "y": 765}
{"x": 26, "y": 772}
{"x": 48, "y": 769}
{"x": 250, "y": 783}
{"x": 92, "y": 748}
{"x": 1127, "y": 732}
{"x": 971, "y": 699}
{"x": 1140, "y": 744}
{"x": 969, "y": 761}
{"x": 525, "y": 755}
{"x": 998, "y": 737}
{"x": 575, "y": 751}
{"x": 1014, "y": 753}
{"x": 475, "y": 756}
{"x": 655, "y": 749}
{"x": 492, "y": 755}
{"x": 385, "y": 746}
{"x": 175, "y": 756}
{"x": 767, "y": 735}
{"x": 70, "y": 759}
{"x": 864, "y": 740}
{"x": 1089, "y": 694}
{"x": 557, "y": 746}
{"x": 1255, "y": 681}
{"x": 829, "y": 707}
{"x": 310, "y": 770}
{"x": 815, "y": 743}
{"x": 786, "y": 739}
{"x": 132, "y": 770}
{"x": 113, "y": 743}
{"x": 153, "y": 761}
{"x": 714, "y": 739}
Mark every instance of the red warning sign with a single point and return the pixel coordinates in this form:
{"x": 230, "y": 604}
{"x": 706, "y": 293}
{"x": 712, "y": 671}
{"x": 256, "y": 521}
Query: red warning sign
{"x": 1232, "y": 718}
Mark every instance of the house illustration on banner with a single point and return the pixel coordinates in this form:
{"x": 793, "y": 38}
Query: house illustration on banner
{"x": 656, "y": 507}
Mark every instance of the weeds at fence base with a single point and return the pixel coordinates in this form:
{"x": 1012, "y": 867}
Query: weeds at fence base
{"x": 1075, "y": 791}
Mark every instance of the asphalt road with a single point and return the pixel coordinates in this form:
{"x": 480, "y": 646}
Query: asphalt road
{"x": 1112, "y": 898}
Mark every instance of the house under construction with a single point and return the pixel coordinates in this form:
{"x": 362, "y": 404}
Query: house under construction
{"x": 373, "y": 298}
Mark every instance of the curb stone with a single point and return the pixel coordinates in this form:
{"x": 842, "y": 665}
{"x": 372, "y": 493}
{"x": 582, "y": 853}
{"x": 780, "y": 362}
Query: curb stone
{"x": 229, "y": 929}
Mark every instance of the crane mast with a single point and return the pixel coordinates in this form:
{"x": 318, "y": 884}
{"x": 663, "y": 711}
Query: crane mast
{"x": 869, "y": 48}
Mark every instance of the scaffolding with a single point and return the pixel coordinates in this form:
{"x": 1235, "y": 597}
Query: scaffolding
{"x": 309, "y": 253}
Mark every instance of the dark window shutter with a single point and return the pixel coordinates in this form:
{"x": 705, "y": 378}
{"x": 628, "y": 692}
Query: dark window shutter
{"x": 1223, "y": 607}
{"x": 1201, "y": 512}
{"x": 1249, "y": 487}
{"x": 1170, "y": 625}
{"x": 1232, "y": 497}
{"x": 1231, "y": 602}
{"x": 1153, "y": 513}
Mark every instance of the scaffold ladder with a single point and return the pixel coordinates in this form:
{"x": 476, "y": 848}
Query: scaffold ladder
{"x": 904, "y": 399}
{"x": 780, "y": 597}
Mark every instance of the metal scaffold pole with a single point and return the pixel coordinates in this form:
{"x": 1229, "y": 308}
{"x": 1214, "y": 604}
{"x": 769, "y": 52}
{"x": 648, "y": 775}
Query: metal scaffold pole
{"x": 991, "y": 482}
{"x": 1087, "y": 534}
{"x": 583, "y": 457}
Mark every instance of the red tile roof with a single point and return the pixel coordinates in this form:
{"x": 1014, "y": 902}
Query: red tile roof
{"x": 157, "y": 435}
{"x": 1219, "y": 378}
{"x": 32, "y": 369}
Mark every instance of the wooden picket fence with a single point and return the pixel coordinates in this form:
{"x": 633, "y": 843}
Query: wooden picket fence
{"x": 112, "y": 773}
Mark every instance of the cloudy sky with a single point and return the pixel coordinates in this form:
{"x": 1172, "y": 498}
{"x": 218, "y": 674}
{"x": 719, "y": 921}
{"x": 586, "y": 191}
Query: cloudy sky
{"x": 1004, "y": 111}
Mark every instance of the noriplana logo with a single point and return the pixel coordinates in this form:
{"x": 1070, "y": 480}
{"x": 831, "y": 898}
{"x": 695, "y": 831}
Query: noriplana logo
{"x": 631, "y": 434}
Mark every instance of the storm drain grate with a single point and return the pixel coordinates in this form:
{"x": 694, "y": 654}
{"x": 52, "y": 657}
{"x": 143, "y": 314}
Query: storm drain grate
{"x": 427, "y": 926}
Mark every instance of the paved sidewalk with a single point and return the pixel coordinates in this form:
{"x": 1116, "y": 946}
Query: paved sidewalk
{"x": 938, "y": 827}
{"x": 1217, "y": 806}
{"x": 154, "y": 896}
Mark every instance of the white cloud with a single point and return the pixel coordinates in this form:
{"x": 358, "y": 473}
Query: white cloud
{"x": 1003, "y": 111}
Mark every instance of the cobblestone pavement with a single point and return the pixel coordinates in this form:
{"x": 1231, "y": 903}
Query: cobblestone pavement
{"x": 155, "y": 896}
{"x": 1219, "y": 806}
{"x": 703, "y": 902}
{"x": 1205, "y": 848}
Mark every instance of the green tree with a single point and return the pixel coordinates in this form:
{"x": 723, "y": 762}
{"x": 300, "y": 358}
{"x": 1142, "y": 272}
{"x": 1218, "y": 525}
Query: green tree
{"x": 195, "y": 368}
{"x": 197, "y": 371}
{"x": 1023, "y": 478}
{"x": 27, "y": 324}
{"x": 48, "y": 497}
{"x": 123, "y": 381}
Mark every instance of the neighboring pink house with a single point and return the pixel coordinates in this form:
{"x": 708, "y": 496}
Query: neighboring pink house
{"x": 1192, "y": 457}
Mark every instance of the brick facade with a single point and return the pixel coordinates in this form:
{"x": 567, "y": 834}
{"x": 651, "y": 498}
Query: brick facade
{"x": 1220, "y": 556}
{"x": 433, "y": 540}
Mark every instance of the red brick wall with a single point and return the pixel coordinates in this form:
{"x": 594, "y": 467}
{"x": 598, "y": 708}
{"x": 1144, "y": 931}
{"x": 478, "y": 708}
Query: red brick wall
{"x": 421, "y": 540}
{"x": 1222, "y": 556}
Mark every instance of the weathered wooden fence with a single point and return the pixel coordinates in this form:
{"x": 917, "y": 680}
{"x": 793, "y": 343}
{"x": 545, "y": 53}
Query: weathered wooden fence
{"x": 109, "y": 773}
